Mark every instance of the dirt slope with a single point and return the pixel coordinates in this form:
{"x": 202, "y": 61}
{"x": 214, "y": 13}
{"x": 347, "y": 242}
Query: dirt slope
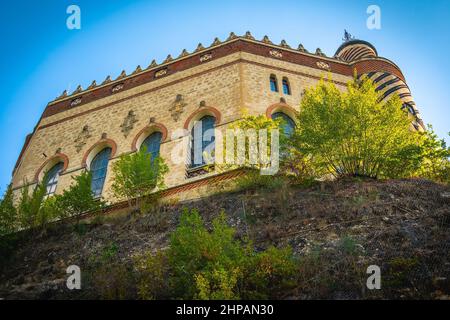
{"x": 402, "y": 226}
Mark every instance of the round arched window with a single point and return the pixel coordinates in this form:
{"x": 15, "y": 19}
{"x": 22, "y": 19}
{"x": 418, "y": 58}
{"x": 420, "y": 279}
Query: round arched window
{"x": 152, "y": 144}
{"x": 288, "y": 123}
{"x": 202, "y": 141}
{"x": 98, "y": 168}
{"x": 51, "y": 178}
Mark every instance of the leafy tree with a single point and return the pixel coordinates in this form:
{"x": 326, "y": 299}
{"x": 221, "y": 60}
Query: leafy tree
{"x": 30, "y": 205}
{"x": 8, "y": 213}
{"x": 244, "y": 149}
{"x": 247, "y": 152}
{"x": 137, "y": 175}
{"x": 78, "y": 198}
{"x": 435, "y": 163}
{"x": 355, "y": 133}
{"x": 49, "y": 211}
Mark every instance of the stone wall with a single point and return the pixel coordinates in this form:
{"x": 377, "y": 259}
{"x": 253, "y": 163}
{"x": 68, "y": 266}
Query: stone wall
{"x": 221, "y": 87}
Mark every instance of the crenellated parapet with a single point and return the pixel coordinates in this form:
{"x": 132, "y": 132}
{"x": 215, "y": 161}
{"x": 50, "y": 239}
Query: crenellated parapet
{"x": 213, "y": 83}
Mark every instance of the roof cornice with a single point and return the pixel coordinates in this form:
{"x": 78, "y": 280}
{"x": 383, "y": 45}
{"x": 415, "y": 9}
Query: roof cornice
{"x": 185, "y": 55}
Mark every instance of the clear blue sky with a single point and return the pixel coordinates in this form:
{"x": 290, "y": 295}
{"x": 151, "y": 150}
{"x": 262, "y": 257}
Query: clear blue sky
{"x": 40, "y": 57}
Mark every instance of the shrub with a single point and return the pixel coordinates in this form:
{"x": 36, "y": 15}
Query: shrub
{"x": 248, "y": 152}
{"x": 271, "y": 275}
{"x": 78, "y": 198}
{"x": 355, "y": 133}
{"x": 137, "y": 175}
{"x": 8, "y": 225}
{"x": 152, "y": 274}
{"x": 202, "y": 264}
{"x": 435, "y": 163}
{"x": 252, "y": 179}
{"x": 30, "y": 205}
{"x": 108, "y": 276}
{"x": 8, "y": 213}
{"x": 193, "y": 249}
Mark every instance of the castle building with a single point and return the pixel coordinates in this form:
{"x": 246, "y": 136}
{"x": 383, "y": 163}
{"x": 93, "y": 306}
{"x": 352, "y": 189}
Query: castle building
{"x": 90, "y": 128}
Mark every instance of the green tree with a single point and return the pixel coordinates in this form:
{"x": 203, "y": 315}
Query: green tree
{"x": 30, "y": 205}
{"x": 244, "y": 149}
{"x": 252, "y": 129}
{"x": 435, "y": 163}
{"x": 78, "y": 198}
{"x": 137, "y": 175}
{"x": 356, "y": 133}
{"x": 8, "y": 213}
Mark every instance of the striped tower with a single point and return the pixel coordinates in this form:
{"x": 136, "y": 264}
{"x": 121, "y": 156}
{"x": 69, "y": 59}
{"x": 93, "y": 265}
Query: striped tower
{"x": 388, "y": 82}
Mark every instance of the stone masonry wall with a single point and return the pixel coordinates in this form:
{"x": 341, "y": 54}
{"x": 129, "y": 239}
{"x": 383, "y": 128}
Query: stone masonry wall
{"x": 228, "y": 84}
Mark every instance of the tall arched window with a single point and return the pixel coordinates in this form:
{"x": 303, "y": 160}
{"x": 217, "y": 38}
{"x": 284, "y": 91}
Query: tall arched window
{"x": 202, "y": 140}
{"x": 51, "y": 178}
{"x": 99, "y": 167}
{"x": 288, "y": 123}
{"x": 273, "y": 83}
{"x": 286, "y": 87}
{"x": 153, "y": 143}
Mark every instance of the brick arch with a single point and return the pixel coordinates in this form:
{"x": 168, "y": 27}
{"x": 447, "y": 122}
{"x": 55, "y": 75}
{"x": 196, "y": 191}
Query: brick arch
{"x": 203, "y": 111}
{"x": 101, "y": 144}
{"x": 147, "y": 130}
{"x": 282, "y": 107}
{"x": 50, "y": 162}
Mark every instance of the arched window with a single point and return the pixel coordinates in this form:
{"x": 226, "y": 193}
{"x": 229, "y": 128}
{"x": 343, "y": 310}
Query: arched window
{"x": 99, "y": 167}
{"x": 153, "y": 143}
{"x": 288, "y": 123}
{"x": 273, "y": 83}
{"x": 202, "y": 140}
{"x": 286, "y": 87}
{"x": 51, "y": 178}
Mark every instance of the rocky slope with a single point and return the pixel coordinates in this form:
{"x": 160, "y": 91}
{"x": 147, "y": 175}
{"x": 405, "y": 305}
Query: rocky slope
{"x": 336, "y": 229}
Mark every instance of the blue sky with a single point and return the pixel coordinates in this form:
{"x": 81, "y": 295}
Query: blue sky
{"x": 40, "y": 57}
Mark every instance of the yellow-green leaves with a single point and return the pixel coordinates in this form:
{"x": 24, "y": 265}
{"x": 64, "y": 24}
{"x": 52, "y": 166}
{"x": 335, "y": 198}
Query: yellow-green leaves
{"x": 354, "y": 132}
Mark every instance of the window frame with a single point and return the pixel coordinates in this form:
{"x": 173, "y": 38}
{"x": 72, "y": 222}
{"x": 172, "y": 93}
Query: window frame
{"x": 286, "y": 86}
{"x": 194, "y": 144}
{"x": 52, "y": 178}
{"x": 287, "y": 119}
{"x": 158, "y": 136}
{"x": 105, "y": 153}
{"x": 273, "y": 82}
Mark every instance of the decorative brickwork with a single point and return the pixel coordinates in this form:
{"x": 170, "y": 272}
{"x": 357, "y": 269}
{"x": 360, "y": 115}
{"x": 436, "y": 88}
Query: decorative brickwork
{"x": 220, "y": 80}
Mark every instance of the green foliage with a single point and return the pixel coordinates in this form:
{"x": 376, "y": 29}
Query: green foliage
{"x": 253, "y": 179}
{"x": 271, "y": 274}
{"x": 250, "y": 129}
{"x": 138, "y": 175}
{"x": 8, "y": 213}
{"x": 217, "y": 284}
{"x": 354, "y": 133}
{"x": 400, "y": 272}
{"x": 30, "y": 206}
{"x": 49, "y": 211}
{"x": 8, "y": 225}
{"x": 36, "y": 210}
{"x": 435, "y": 163}
{"x": 152, "y": 274}
{"x": 348, "y": 245}
{"x": 193, "y": 249}
{"x": 108, "y": 276}
{"x": 78, "y": 198}
{"x": 202, "y": 264}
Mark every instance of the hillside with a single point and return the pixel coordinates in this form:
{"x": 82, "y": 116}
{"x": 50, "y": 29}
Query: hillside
{"x": 336, "y": 230}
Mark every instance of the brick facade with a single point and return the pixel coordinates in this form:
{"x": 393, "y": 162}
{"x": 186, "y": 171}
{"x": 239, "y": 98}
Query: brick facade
{"x": 221, "y": 81}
